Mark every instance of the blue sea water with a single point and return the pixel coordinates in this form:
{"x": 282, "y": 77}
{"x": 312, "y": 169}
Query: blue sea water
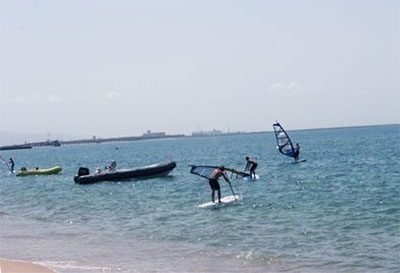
{"x": 337, "y": 212}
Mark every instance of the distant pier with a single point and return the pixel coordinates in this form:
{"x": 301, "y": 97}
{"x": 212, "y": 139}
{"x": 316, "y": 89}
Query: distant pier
{"x": 146, "y": 136}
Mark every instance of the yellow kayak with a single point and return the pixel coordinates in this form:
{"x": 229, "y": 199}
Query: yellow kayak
{"x": 39, "y": 171}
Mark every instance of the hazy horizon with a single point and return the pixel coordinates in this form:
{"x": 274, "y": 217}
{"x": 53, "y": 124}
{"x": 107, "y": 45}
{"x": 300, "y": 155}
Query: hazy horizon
{"x": 9, "y": 138}
{"x": 78, "y": 69}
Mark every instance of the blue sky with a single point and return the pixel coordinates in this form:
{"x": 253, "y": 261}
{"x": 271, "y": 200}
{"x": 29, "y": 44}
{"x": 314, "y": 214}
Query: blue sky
{"x": 72, "y": 69}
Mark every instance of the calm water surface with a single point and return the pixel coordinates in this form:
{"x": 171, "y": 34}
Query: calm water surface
{"x": 337, "y": 212}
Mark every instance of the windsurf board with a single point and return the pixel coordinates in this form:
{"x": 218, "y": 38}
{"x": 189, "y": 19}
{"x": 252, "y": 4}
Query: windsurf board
{"x": 300, "y": 161}
{"x": 224, "y": 200}
{"x": 249, "y": 178}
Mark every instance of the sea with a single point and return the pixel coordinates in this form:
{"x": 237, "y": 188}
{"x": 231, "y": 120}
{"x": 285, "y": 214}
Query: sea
{"x": 337, "y": 212}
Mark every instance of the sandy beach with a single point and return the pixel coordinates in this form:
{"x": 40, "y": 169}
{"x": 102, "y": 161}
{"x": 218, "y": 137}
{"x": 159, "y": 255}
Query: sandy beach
{"x": 22, "y": 267}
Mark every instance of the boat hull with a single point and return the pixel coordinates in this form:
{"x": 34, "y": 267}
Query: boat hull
{"x": 156, "y": 170}
{"x": 53, "y": 170}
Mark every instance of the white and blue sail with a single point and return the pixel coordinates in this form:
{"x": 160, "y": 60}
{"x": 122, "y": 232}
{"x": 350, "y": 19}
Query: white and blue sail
{"x": 285, "y": 145}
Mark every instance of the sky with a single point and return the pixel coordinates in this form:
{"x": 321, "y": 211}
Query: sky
{"x": 78, "y": 69}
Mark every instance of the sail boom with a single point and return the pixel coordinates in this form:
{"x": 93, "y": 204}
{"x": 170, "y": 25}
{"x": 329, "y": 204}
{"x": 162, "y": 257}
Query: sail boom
{"x": 206, "y": 171}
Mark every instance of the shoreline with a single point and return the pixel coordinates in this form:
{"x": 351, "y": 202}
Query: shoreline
{"x": 11, "y": 266}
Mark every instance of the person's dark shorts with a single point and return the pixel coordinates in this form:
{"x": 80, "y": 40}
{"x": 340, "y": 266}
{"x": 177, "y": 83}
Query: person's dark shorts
{"x": 214, "y": 184}
{"x": 253, "y": 167}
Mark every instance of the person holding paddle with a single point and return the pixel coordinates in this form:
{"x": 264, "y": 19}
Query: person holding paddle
{"x": 216, "y": 174}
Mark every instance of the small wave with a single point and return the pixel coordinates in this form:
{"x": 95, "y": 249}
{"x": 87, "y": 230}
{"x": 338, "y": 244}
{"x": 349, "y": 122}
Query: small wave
{"x": 75, "y": 267}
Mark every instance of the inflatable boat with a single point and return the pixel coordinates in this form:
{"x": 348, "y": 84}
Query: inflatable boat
{"x": 114, "y": 174}
{"x": 39, "y": 171}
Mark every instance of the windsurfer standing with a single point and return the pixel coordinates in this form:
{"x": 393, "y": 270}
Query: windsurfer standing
{"x": 217, "y": 173}
{"x": 253, "y": 164}
{"x": 12, "y": 164}
{"x": 297, "y": 152}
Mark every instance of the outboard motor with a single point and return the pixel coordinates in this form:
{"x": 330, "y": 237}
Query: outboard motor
{"x": 83, "y": 171}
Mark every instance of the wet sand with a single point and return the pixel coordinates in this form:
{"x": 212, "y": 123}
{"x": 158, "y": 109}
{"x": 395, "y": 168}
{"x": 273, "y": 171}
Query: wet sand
{"x": 7, "y": 266}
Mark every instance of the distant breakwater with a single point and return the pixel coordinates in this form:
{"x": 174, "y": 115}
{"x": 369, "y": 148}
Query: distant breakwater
{"x": 57, "y": 143}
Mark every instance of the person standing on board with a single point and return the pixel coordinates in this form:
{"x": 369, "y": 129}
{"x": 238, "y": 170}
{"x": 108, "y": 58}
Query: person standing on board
{"x": 297, "y": 152}
{"x": 217, "y": 173}
{"x": 251, "y": 165}
{"x": 12, "y": 164}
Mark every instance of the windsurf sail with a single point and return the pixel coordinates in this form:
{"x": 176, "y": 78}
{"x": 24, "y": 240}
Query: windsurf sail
{"x": 5, "y": 162}
{"x": 285, "y": 145}
{"x": 238, "y": 173}
{"x": 206, "y": 171}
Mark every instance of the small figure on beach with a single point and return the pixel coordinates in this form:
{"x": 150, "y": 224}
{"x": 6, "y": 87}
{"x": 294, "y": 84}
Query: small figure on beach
{"x": 251, "y": 165}
{"x": 216, "y": 174}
